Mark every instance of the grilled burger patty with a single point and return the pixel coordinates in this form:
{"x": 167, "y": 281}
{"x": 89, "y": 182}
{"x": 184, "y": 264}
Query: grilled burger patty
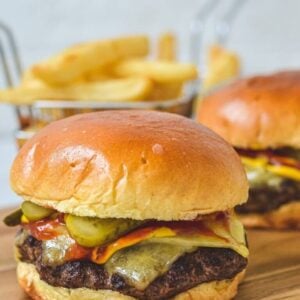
{"x": 265, "y": 199}
{"x": 191, "y": 269}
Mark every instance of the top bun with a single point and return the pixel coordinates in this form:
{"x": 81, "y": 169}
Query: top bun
{"x": 258, "y": 112}
{"x": 130, "y": 164}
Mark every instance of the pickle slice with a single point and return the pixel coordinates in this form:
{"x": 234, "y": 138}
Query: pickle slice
{"x": 14, "y": 218}
{"x": 34, "y": 212}
{"x": 91, "y": 232}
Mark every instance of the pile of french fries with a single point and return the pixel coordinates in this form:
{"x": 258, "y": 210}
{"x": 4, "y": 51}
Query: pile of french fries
{"x": 107, "y": 70}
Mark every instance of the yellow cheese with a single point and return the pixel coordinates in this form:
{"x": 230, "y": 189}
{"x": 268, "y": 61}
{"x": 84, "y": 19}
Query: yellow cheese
{"x": 285, "y": 171}
{"x": 24, "y": 220}
{"x": 261, "y": 162}
{"x": 140, "y": 264}
{"x": 101, "y": 255}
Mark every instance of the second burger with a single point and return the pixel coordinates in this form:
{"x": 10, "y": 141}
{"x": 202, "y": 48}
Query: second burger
{"x": 260, "y": 117}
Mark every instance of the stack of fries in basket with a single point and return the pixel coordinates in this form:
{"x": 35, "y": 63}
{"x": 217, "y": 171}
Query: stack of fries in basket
{"x": 107, "y": 70}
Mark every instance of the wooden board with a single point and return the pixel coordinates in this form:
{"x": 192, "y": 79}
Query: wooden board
{"x": 273, "y": 272}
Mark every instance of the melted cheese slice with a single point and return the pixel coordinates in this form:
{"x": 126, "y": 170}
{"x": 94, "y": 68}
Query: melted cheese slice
{"x": 261, "y": 162}
{"x": 213, "y": 233}
{"x": 100, "y": 255}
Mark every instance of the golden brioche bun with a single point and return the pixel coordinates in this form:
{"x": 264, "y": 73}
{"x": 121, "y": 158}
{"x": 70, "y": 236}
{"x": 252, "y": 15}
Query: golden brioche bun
{"x": 130, "y": 164}
{"x": 38, "y": 289}
{"x": 257, "y": 112}
{"x": 285, "y": 217}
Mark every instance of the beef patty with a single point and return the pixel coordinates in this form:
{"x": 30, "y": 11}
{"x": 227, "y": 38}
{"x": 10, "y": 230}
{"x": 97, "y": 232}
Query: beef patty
{"x": 265, "y": 199}
{"x": 190, "y": 270}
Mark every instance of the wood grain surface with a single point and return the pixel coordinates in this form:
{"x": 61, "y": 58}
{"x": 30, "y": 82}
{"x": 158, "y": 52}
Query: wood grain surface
{"x": 273, "y": 272}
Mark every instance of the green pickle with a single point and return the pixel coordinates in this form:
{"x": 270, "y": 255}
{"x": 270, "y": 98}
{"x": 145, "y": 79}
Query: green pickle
{"x": 91, "y": 232}
{"x": 14, "y": 218}
{"x": 34, "y": 212}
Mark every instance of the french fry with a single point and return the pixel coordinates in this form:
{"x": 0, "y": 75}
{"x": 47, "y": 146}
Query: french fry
{"x": 167, "y": 47}
{"x": 70, "y": 64}
{"x": 30, "y": 80}
{"x": 159, "y": 71}
{"x": 97, "y": 75}
{"x": 222, "y": 65}
{"x": 127, "y": 89}
{"x": 166, "y": 91}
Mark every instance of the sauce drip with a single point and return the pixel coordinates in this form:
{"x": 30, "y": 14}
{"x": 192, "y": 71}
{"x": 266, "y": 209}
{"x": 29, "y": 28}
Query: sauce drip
{"x": 273, "y": 159}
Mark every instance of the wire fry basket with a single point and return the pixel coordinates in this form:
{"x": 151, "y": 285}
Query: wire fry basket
{"x": 46, "y": 111}
{"x": 41, "y": 112}
{"x": 12, "y": 70}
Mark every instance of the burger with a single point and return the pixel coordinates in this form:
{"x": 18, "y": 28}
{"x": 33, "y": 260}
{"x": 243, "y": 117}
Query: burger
{"x": 129, "y": 205}
{"x": 260, "y": 117}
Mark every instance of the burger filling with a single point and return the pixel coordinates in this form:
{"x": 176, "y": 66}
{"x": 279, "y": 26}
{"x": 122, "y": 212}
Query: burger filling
{"x": 274, "y": 177}
{"x": 144, "y": 259}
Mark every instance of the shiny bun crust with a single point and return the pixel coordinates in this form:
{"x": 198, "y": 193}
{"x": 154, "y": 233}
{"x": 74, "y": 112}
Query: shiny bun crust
{"x": 286, "y": 217}
{"x": 130, "y": 164}
{"x": 37, "y": 289}
{"x": 258, "y": 112}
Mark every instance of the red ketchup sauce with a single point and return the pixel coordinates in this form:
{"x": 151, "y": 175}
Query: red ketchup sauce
{"x": 45, "y": 229}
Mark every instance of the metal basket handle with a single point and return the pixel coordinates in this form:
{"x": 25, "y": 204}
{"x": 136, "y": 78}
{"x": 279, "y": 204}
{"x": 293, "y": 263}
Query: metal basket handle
{"x": 224, "y": 24}
{"x": 11, "y": 69}
{"x": 197, "y": 27}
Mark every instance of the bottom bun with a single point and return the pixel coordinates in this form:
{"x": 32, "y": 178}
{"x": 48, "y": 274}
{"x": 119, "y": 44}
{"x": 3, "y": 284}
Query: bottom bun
{"x": 40, "y": 290}
{"x": 285, "y": 217}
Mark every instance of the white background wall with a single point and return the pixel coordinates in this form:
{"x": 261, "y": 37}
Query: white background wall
{"x": 266, "y": 33}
